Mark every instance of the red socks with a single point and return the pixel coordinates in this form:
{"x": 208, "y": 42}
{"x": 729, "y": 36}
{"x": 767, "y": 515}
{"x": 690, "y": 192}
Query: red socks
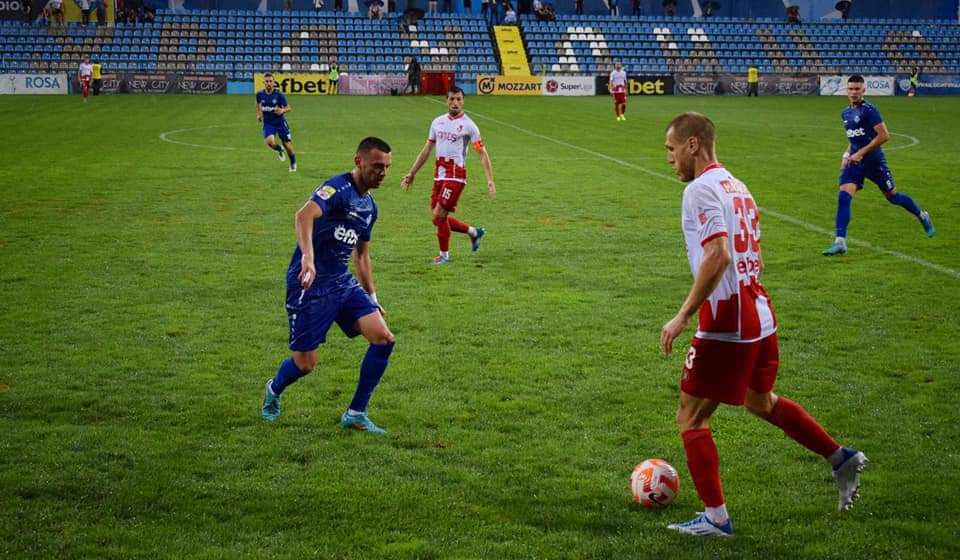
{"x": 797, "y": 423}
{"x": 704, "y": 464}
{"x": 443, "y": 233}
{"x": 458, "y": 226}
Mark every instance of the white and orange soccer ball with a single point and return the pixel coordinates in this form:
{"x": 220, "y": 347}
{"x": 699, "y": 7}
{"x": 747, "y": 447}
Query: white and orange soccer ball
{"x": 654, "y": 483}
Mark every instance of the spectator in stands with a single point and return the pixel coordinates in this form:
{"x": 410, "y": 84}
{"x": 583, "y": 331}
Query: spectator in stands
{"x": 510, "y": 18}
{"x": 614, "y": 9}
{"x": 146, "y": 14}
{"x": 84, "y": 6}
{"x": 413, "y": 76}
{"x": 579, "y": 8}
{"x": 318, "y": 5}
{"x": 101, "y": 8}
{"x": 53, "y": 11}
{"x": 485, "y": 6}
{"x": 27, "y": 10}
{"x": 432, "y": 6}
{"x": 753, "y": 81}
{"x": 448, "y": 6}
{"x": 670, "y": 8}
{"x": 338, "y": 5}
{"x": 636, "y": 7}
{"x": 543, "y": 11}
{"x": 793, "y": 14}
{"x": 375, "y": 10}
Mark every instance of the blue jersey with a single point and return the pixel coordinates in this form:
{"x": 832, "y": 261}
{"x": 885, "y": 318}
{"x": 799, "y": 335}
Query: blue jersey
{"x": 268, "y": 102}
{"x": 859, "y": 122}
{"x": 347, "y": 219}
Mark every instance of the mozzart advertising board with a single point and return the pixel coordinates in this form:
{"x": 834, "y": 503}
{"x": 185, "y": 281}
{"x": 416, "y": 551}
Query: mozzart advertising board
{"x": 876, "y": 85}
{"x": 33, "y": 84}
{"x": 639, "y": 85}
{"x": 297, "y": 84}
{"x": 509, "y": 85}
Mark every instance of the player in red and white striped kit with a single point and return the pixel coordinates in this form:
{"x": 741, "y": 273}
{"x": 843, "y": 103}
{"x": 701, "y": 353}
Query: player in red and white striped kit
{"x": 734, "y": 356}
{"x": 452, "y": 134}
{"x": 617, "y": 85}
{"x": 85, "y": 76}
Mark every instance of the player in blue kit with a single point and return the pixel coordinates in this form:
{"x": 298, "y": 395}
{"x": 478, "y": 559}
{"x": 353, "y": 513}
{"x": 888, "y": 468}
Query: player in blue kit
{"x": 334, "y": 224}
{"x": 864, "y": 159}
{"x": 271, "y": 106}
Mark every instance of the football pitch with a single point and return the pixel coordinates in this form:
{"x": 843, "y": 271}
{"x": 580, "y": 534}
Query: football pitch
{"x": 143, "y": 247}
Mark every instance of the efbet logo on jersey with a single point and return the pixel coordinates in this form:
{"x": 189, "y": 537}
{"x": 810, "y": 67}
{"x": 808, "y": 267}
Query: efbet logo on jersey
{"x": 346, "y": 235}
{"x": 856, "y": 133}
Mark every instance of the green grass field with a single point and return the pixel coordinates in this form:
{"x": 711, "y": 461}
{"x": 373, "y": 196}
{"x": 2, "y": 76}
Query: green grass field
{"x": 141, "y": 296}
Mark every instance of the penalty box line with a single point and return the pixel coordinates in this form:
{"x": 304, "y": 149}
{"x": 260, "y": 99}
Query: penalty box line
{"x": 778, "y": 215}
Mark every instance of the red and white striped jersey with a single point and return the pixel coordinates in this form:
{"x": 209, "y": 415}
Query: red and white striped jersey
{"x": 453, "y": 136}
{"x": 716, "y": 204}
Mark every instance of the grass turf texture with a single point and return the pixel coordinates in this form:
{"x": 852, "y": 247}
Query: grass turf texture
{"x": 141, "y": 290}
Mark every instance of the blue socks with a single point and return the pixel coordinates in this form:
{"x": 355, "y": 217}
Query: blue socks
{"x": 277, "y": 148}
{"x": 906, "y": 202}
{"x": 293, "y": 158}
{"x": 843, "y": 213}
{"x": 286, "y": 375}
{"x": 371, "y": 370}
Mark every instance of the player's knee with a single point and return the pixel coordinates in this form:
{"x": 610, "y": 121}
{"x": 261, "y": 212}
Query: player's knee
{"x": 692, "y": 419}
{"x": 760, "y": 404}
{"x": 437, "y": 220}
{"x": 306, "y": 362}
{"x": 382, "y": 338}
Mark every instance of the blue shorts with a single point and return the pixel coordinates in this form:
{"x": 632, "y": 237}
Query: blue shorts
{"x": 282, "y": 130}
{"x": 876, "y": 171}
{"x": 312, "y": 313}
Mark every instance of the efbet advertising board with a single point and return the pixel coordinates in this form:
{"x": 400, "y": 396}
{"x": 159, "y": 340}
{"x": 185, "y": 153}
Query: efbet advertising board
{"x": 33, "y": 84}
{"x": 639, "y": 85}
{"x": 297, "y": 84}
{"x": 509, "y": 85}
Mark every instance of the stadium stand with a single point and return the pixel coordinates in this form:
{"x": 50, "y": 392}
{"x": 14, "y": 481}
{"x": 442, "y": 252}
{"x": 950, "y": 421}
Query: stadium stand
{"x": 657, "y": 45}
{"x": 239, "y": 43}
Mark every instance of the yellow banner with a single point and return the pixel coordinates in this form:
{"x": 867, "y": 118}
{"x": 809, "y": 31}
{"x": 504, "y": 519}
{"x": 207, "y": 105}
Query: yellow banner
{"x": 297, "y": 84}
{"x": 509, "y": 85}
{"x": 512, "y": 54}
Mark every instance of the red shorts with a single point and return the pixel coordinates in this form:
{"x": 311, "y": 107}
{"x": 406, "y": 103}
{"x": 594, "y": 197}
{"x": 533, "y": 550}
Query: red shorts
{"x": 620, "y": 97}
{"x": 722, "y": 371}
{"x": 446, "y": 194}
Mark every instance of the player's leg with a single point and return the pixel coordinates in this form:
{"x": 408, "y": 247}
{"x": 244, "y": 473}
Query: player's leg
{"x": 883, "y": 178}
{"x": 475, "y": 233}
{"x": 851, "y": 180}
{"x": 361, "y": 315}
{"x": 714, "y": 372}
{"x": 288, "y": 145}
{"x": 623, "y": 110}
{"x": 440, "y": 220}
{"x": 703, "y": 461}
{"x": 270, "y": 138}
{"x": 309, "y": 322}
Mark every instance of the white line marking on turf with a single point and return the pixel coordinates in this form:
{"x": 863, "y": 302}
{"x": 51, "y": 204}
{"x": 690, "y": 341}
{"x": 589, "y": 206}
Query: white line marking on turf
{"x": 790, "y": 219}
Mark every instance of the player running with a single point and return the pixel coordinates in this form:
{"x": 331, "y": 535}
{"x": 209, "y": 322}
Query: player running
{"x": 864, "y": 159}
{"x": 618, "y": 90}
{"x": 452, "y": 133}
{"x": 271, "y": 106}
{"x": 85, "y": 76}
{"x": 333, "y": 224}
{"x": 734, "y": 356}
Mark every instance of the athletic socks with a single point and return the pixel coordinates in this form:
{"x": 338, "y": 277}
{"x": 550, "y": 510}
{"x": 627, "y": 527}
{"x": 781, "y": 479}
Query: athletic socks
{"x": 371, "y": 370}
{"x": 277, "y": 148}
{"x": 704, "y": 464}
{"x": 458, "y": 226}
{"x": 844, "y": 201}
{"x": 443, "y": 233}
{"x": 797, "y": 423}
{"x": 287, "y": 374}
{"x": 901, "y": 199}
{"x": 293, "y": 159}
{"x": 718, "y": 515}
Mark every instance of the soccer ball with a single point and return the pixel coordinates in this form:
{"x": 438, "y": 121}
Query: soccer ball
{"x": 654, "y": 483}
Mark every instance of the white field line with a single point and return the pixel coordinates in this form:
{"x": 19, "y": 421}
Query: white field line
{"x": 780, "y": 216}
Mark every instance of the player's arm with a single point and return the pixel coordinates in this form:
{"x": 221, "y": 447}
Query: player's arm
{"x": 361, "y": 260}
{"x": 716, "y": 259}
{"x": 487, "y": 167}
{"x": 880, "y": 139}
{"x": 259, "y": 111}
{"x": 282, "y": 109}
{"x": 407, "y": 180}
{"x": 306, "y": 215}
{"x": 845, "y": 159}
